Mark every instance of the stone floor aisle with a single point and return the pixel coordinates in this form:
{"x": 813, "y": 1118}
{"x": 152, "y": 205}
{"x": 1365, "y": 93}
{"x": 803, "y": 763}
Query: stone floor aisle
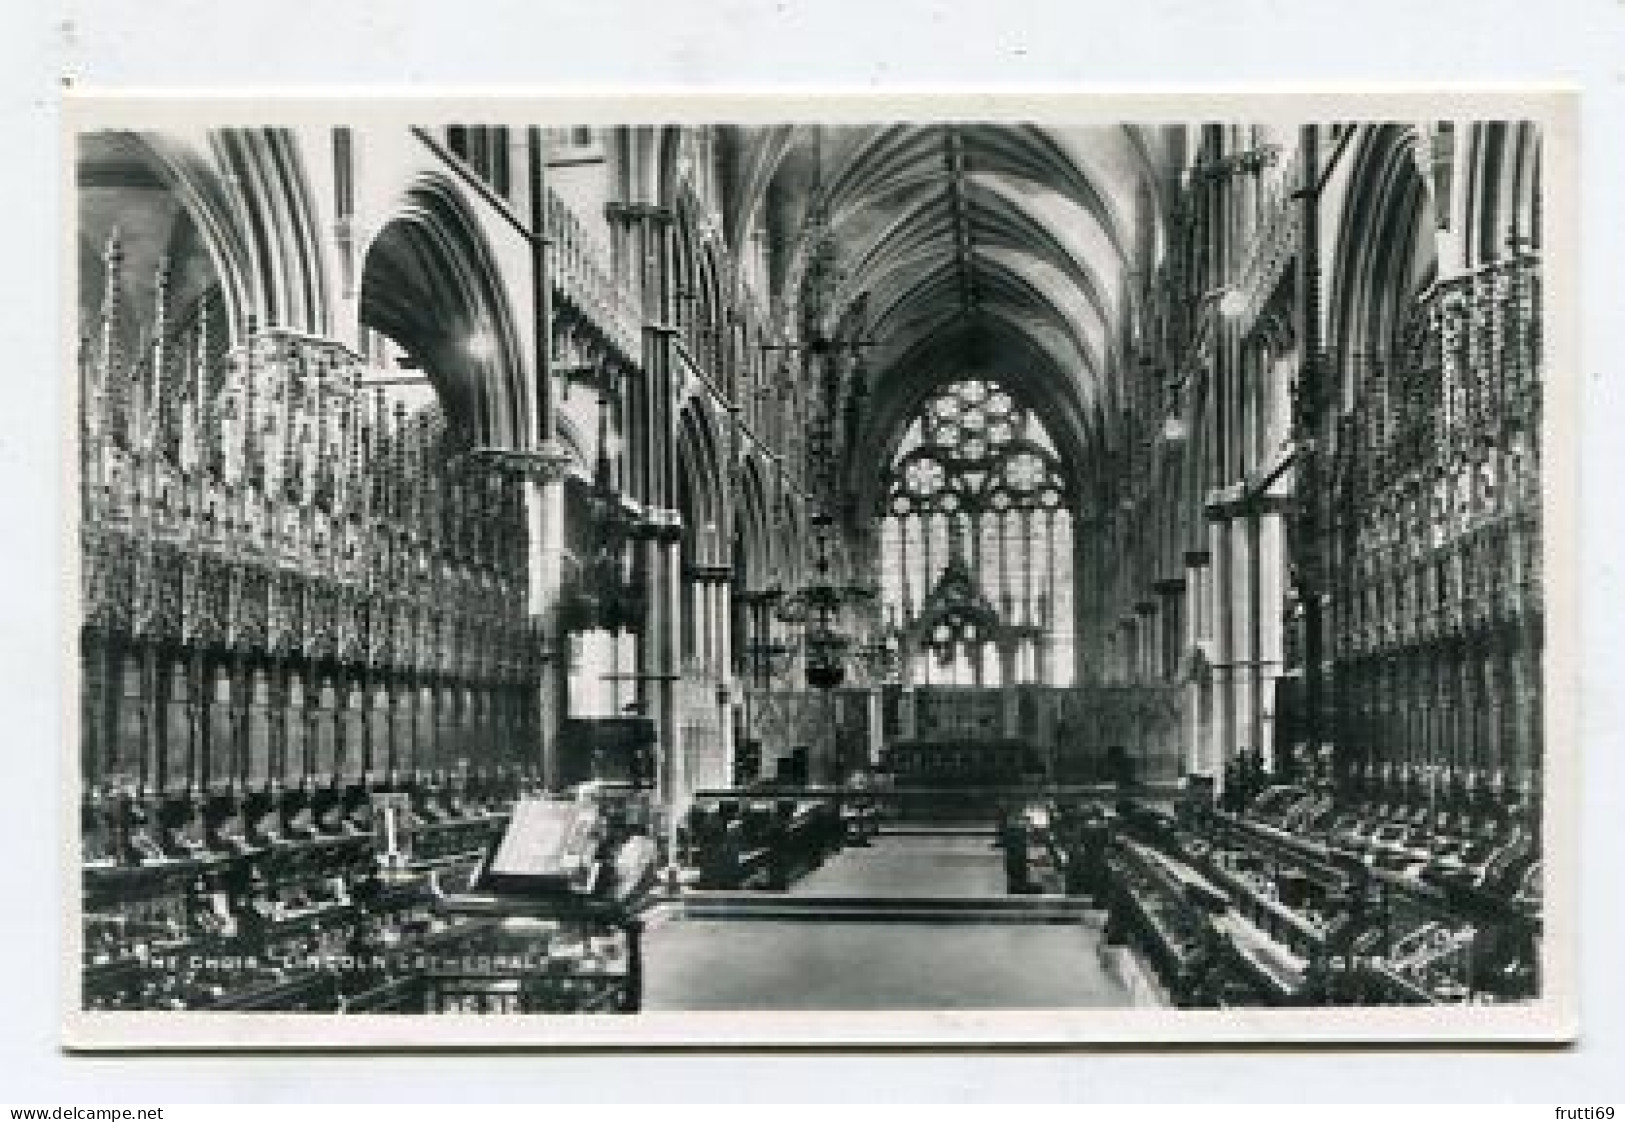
{"x": 800, "y": 964}
{"x": 911, "y": 866}
{"x": 814, "y": 963}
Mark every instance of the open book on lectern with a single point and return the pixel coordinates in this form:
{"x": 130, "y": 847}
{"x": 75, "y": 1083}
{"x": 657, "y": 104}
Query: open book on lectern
{"x": 549, "y": 848}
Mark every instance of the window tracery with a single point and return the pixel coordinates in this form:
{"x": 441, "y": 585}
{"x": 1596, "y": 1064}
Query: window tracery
{"x": 976, "y": 491}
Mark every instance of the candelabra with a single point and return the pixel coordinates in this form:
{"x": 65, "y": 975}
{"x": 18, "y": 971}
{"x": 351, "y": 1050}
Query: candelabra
{"x": 882, "y": 656}
{"x": 817, "y": 606}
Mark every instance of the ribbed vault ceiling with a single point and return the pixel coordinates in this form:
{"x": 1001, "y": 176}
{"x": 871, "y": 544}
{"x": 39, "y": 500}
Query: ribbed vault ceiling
{"x": 975, "y": 247}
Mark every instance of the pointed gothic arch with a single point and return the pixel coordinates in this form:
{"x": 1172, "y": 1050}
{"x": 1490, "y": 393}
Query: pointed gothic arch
{"x": 430, "y": 282}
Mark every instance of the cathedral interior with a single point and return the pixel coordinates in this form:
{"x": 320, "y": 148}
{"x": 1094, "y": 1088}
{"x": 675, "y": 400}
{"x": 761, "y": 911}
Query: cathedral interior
{"x": 598, "y": 569}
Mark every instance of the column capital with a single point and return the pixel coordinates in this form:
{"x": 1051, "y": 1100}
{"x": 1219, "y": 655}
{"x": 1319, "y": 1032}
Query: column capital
{"x": 664, "y": 524}
{"x": 1169, "y": 586}
{"x": 616, "y": 211}
{"x": 708, "y": 574}
{"x": 1197, "y": 558}
{"x": 1272, "y": 503}
{"x": 1145, "y": 607}
{"x": 548, "y": 463}
{"x": 1224, "y": 503}
{"x": 1236, "y": 500}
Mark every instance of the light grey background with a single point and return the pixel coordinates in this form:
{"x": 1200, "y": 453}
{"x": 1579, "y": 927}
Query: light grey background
{"x": 319, "y": 46}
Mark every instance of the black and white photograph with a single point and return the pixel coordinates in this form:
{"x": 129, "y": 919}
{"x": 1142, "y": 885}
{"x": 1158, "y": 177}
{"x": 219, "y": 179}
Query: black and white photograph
{"x": 1064, "y": 569}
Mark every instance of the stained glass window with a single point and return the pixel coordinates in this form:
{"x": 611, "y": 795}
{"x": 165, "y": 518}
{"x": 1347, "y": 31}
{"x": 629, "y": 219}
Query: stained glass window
{"x": 977, "y": 480}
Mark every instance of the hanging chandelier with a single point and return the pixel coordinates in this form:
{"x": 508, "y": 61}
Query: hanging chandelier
{"x": 817, "y": 606}
{"x": 882, "y": 656}
{"x": 821, "y": 281}
{"x": 821, "y": 277}
{"x": 766, "y": 657}
{"x": 826, "y": 650}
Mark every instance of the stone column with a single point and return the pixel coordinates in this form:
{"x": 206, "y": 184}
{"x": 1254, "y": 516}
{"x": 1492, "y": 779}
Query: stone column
{"x": 1199, "y": 685}
{"x": 1471, "y": 707}
{"x": 1243, "y": 656}
{"x": 1009, "y": 693}
{"x": 1533, "y": 706}
{"x": 696, "y": 620}
{"x": 1451, "y": 716}
{"x": 1221, "y": 627}
{"x": 1150, "y": 634}
{"x": 721, "y": 593}
{"x": 1430, "y": 756}
{"x": 1170, "y": 640}
{"x": 1086, "y": 569}
{"x": 907, "y": 723}
{"x": 645, "y": 234}
{"x": 1173, "y": 635}
{"x": 666, "y": 573}
{"x": 200, "y": 699}
{"x": 647, "y": 650}
{"x": 1270, "y": 655}
{"x": 1495, "y": 684}
{"x": 721, "y": 622}
{"x": 544, "y": 524}
{"x": 1123, "y": 663}
{"x": 705, "y": 622}
{"x": 877, "y": 739}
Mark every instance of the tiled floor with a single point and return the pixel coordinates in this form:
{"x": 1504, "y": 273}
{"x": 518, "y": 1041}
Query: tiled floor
{"x": 770, "y": 964}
